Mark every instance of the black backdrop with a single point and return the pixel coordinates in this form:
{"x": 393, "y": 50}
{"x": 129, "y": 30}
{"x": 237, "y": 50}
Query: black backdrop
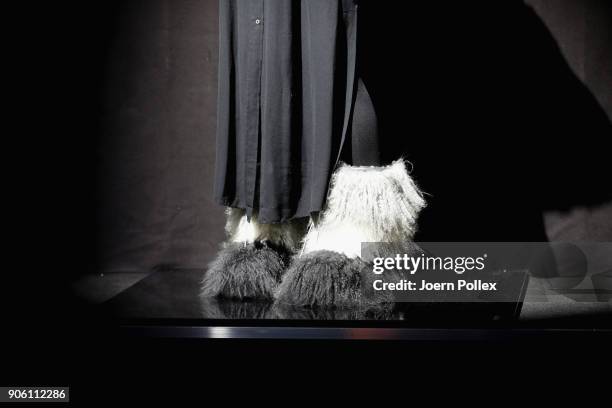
{"x": 136, "y": 121}
{"x": 158, "y": 132}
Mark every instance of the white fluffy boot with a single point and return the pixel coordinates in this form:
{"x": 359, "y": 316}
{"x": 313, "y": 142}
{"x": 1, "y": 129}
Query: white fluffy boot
{"x": 365, "y": 204}
{"x": 252, "y": 261}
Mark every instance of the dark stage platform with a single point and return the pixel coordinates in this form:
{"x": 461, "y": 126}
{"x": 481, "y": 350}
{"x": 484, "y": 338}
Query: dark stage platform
{"x": 167, "y": 304}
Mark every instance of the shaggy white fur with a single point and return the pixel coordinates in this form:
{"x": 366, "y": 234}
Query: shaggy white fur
{"x": 366, "y": 204}
{"x": 240, "y": 229}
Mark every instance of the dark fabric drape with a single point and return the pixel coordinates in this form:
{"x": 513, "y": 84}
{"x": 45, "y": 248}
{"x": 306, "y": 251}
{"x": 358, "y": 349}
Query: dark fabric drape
{"x": 286, "y": 77}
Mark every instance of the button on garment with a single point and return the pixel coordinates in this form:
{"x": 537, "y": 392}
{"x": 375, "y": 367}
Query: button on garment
{"x": 286, "y": 85}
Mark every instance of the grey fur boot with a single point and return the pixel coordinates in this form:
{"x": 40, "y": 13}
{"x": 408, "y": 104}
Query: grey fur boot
{"x": 365, "y": 204}
{"x": 252, "y": 261}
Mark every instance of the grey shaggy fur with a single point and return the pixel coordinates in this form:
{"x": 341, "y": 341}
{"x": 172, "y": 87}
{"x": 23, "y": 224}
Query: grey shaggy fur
{"x": 244, "y": 271}
{"x": 329, "y": 279}
{"x": 287, "y": 234}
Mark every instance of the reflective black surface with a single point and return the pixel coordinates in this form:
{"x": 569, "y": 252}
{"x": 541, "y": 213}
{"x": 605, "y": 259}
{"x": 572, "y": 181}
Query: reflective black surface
{"x": 167, "y": 304}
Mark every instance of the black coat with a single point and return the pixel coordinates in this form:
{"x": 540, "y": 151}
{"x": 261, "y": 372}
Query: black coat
{"x": 286, "y": 79}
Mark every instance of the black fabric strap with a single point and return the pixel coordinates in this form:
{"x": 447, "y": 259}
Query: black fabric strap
{"x": 364, "y": 146}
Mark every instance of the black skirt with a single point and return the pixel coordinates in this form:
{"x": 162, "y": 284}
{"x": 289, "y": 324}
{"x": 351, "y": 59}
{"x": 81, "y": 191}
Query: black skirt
{"x": 286, "y": 90}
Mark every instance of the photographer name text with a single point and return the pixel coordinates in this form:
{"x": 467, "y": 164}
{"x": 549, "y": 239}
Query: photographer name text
{"x": 460, "y": 285}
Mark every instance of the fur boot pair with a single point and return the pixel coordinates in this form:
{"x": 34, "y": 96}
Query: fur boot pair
{"x": 318, "y": 264}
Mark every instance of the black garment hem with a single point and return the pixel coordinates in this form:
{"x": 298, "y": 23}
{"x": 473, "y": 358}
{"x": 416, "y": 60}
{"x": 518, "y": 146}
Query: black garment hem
{"x": 270, "y": 215}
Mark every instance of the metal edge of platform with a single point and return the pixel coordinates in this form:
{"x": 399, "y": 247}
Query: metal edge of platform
{"x": 343, "y": 333}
